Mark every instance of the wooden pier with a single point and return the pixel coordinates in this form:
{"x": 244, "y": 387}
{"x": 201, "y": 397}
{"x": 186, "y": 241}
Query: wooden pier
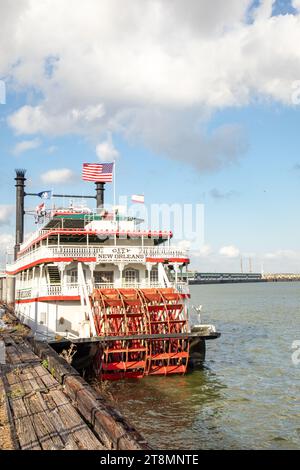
{"x": 46, "y": 405}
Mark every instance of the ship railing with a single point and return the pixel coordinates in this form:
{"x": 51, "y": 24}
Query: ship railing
{"x": 72, "y": 289}
{"x": 64, "y": 289}
{"x": 103, "y": 285}
{"x": 68, "y": 335}
{"x": 54, "y": 290}
{"x": 70, "y": 251}
{"x": 181, "y": 287}
{"x": 24, "y": 293}
{"x": 75, "y": 252}
{"x": 48, "y": 290}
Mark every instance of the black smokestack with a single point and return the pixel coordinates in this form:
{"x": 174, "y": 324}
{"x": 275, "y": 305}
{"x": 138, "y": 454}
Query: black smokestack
{"x": 20, "y": 194}
{"x": 100, "y": 195}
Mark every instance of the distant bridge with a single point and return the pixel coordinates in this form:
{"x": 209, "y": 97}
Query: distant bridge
{"x": 224, "y": 278}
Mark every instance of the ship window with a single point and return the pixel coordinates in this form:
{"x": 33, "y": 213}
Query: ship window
{"x": 102, "y": 277}
{"x": 43, "y": 318}
{"x": 154, "y": 275}
{"x": 131, "y": 276}
{"x": 73, "y": 276}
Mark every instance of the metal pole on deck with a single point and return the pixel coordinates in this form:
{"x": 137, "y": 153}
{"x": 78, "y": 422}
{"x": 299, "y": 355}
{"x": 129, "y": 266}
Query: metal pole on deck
{"x": 114, "y": 196}
{"x": 100, "y": 195}
{"x": 20, "y": 194}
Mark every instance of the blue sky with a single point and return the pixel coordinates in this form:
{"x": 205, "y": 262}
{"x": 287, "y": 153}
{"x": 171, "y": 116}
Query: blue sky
{"x": 224, "y": 134}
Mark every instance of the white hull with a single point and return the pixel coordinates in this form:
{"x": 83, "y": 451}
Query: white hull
{"x": 50, "y": 319}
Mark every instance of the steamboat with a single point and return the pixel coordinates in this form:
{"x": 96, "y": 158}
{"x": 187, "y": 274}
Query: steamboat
{"x": 95, "y": 277}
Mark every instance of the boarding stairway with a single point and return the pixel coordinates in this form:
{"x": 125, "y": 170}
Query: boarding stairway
{"x": 54, "y": 275}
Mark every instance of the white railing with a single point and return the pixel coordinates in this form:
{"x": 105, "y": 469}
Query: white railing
{"x": 74, "y": 289}
{"x": 65, "y": 289}
{"x": 66, "y": 251}
{"x": 47, "y": 291}
{"x": 52, "y": 290}
{"x": 182, "y": 287}
{"x": 104, "y": 285}
{"x": 75, "y": 251}
{"x": 23, "y": 293}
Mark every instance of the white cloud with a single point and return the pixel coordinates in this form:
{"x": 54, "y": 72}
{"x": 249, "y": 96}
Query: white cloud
{"x": 51, "y": 149}
{"x": 106, "y": 151}
{"x": 6, "y": 243}
{"x": 38, "y": 119}
{"x": 154, "y": 74}
{"x": 296, "y": 4}
{"x": 6, "y": 212}
{"x": 229, "y": 251}
{"x": 264, "y": 10}
{"x": 6, "y": 240}
{"x": 281, "y": 261}
{"x": 183, "y": 244}
{"x": 60, "y": 175}
{"x": 203, "y": 252}
{"x": 26, "y": 145}
{"x": 280, "y": 254}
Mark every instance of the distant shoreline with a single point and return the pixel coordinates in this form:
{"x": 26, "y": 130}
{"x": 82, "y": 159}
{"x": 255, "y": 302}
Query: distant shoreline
{"x": 231, "y": 281}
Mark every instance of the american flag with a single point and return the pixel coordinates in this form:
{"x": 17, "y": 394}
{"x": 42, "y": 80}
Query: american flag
{"x": 98, "y": 172}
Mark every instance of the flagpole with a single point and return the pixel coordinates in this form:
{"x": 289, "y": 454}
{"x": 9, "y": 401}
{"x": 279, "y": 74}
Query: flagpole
{"x": 114, "y": 198}
{"x": 114, "y": 187}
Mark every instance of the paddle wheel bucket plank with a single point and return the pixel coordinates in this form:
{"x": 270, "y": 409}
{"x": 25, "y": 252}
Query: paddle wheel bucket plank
{"x": 136, "y": 312}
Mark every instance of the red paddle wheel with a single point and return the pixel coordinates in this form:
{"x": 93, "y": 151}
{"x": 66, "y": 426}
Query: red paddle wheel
{"x": 139, "y": 328}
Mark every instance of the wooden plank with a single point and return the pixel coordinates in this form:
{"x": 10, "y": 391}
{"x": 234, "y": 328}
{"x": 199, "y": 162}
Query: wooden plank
{"x": 107, "y": 422}
{"x": 12, "y": 355}
{"x": 69, "y": 443}
{"x": 18, "y": 408}
{"x": 26, "y": 434}
{"x": 56, "y": 364}
{"x": 42, "y": 414}
{"x": 72, "y": 423}
{"x": 109, "y": 425}
{"x": 45, "y": 429}
{"x": 23, "y": 425}
{"x": 55, "y": 408}
{"x": 6, "y": 431}
{"x": 25, "y": 379}
{"x": 45, "y": 376}
{"x": 2, "y": 352}
{"x": 26, "y": 354}
{"x": 35, "y": 381}
{"x": 16, "y": 388}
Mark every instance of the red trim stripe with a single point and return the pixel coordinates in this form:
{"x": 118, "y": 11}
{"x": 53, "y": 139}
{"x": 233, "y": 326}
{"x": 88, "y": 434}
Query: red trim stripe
{"x": 48, "y": 299}
{"x": 63, "y": 298}
{"x": 49, "y": 260}
{"x": 93, "y": 259}
{"x": 171, "y": 260}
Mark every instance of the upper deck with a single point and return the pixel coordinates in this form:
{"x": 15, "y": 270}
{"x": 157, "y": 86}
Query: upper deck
{"x": 86, "y": 236}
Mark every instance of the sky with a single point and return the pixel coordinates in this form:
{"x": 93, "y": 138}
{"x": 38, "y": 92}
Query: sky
{"x": 197, "y": 102}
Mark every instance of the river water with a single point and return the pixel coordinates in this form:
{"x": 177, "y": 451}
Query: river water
{"x": 248, "y": 394}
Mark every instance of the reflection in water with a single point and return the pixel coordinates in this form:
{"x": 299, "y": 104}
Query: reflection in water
{"x": 247, "y": 396}
{"x": 169, "y": 410}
